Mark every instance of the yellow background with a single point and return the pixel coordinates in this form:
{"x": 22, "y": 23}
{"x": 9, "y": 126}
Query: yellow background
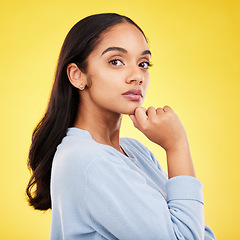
{"x": 195, "y": 46}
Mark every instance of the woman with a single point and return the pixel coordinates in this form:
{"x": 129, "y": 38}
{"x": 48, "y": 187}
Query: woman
{"x": 103, "y": 187}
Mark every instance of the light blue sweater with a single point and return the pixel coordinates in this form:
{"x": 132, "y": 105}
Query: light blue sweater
{"x": 99, "y": 193}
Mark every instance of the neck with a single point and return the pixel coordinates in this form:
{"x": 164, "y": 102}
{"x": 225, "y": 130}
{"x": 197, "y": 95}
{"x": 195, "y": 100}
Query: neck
{"x": 104, "y": 126}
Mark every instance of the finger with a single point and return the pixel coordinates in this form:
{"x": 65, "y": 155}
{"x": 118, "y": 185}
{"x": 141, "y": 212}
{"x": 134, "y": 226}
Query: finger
{"x": 151, "y": 112}
{"x": 141, "y": 117}
{"x": 134, "y": 120}
{"x": 159, "y": 110}
{"x": 167, "y": 109}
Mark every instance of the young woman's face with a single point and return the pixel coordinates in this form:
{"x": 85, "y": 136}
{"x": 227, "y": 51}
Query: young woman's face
{"x": 118, "y": 70}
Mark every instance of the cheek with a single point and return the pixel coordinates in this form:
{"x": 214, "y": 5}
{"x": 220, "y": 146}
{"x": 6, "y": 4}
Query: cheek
{"x": 146, "y": 83}
{"x": 104, "y": 87}
{"x": 105, "y": 80}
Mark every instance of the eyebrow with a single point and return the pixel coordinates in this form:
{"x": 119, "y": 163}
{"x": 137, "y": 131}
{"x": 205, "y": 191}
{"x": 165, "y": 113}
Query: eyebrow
{"x": 119, "y": 49}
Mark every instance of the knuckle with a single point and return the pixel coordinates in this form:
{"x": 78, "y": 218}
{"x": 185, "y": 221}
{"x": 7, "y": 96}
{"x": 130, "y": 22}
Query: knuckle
{"x": 169, "y": 115}
{"x": 144, "y": 127}
{"x": 151, "y": 108}
{"x": 155, "y": 121}
{"x": 139, "y": 109}
{"x": 166, "y": 107}
{"x": 159, "y": 110}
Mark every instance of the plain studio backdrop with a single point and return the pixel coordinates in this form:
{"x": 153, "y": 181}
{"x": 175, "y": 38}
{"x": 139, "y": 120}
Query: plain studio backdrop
{"x": 195, "y": 47}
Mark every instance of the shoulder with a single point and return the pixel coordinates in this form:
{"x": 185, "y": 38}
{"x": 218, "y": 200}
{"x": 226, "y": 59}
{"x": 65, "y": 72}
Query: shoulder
{"x": 77, "y": 151}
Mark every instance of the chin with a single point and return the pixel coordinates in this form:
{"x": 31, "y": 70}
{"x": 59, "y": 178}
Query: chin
{"x": 130, "y": 111}
{"x": 127, "y": 108}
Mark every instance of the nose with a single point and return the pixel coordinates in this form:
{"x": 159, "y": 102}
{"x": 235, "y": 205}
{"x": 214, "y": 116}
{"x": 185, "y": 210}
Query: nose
{"x": 135, "y": 76}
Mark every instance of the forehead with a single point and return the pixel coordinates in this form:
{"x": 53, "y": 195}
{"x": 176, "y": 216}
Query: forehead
{"x": 124, "y": 35}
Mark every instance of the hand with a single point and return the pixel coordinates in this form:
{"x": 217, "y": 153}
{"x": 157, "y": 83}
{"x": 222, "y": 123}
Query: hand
{"x": 161, "y": 126}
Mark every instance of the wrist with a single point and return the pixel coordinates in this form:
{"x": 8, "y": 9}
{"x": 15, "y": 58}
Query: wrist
{"x": 181, "y": 145}
{"x": 179, "y": 161}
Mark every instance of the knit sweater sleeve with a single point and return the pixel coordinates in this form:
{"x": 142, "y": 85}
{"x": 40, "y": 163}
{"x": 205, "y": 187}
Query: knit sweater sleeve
{"x": 121, "y": 205}
{"x": 208, "y": 233}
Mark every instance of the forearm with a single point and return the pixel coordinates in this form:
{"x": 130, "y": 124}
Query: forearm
{"x": 179, "y": 161}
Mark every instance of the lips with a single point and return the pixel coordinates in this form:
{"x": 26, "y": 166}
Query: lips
{"x": 133, "y": 95}
{"x": 133, "y": 92}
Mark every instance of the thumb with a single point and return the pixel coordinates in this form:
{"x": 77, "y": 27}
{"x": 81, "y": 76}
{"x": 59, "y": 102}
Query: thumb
{"x": 134, "y": 120}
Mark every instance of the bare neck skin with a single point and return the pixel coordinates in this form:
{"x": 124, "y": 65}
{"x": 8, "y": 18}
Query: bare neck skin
{"x": 104, "y": 126}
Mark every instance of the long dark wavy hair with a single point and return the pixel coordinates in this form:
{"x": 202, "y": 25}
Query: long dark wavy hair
{"x": 63, "y": 104}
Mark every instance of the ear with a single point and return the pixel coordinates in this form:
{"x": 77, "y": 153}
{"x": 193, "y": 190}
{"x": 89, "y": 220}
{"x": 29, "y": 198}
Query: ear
{"x": 76, "y": 76}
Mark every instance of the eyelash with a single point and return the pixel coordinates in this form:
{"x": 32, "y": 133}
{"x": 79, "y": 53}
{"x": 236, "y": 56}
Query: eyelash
{"x": 148, "y": 64}
{"x": 114, "y": 60}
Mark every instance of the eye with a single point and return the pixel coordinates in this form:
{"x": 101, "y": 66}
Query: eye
{"x": 145, "y": 65}
{"x": 116, "y": 62}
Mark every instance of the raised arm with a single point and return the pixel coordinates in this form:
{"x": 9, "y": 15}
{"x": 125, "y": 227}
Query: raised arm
{"x": 163, "y": 127}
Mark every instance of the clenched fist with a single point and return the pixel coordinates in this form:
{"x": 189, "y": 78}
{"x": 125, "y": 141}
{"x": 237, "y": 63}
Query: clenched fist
{"x": 161, "y": 126}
